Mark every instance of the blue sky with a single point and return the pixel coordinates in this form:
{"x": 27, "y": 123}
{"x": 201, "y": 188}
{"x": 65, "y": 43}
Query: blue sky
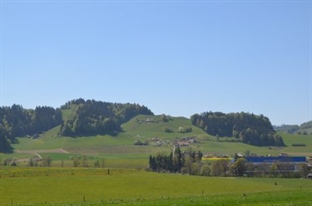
{"x": 175, "y": 57}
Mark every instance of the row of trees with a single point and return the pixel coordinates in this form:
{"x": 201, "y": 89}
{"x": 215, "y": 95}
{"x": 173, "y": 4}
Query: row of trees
{"x": 192, "y": 165}
{"x": 187, "y": 163}
{"x": 95, "y": 117}
{"x": 32, "y": 162}
{"x": 175, "y": 161}
{"x": 15, "y": 121}
{"x": 46, "y": 161}
{"x": 248, "y": 128}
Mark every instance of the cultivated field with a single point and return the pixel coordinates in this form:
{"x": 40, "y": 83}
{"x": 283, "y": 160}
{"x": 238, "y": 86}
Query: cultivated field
{"x": 79, "y": 186}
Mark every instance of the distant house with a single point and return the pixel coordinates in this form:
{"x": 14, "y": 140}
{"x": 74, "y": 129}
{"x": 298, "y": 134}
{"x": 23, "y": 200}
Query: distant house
{"x": 149, "y": 120}
{"x": 184, "y": 143}
{"x": 35, "y": 136}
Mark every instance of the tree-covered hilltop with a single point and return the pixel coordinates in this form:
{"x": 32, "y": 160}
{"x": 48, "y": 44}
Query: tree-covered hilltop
{"x": 248, "y": 128}
{"x": 15, "y": 121}
{"x": 95, "y": 117}
{"x": 89, "y": 117}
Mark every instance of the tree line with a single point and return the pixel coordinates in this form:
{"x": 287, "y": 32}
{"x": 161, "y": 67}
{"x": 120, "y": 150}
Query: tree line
{"x": 15, "y": 121}
{"x": 248, "y": 128}
{"x": 175, "y": 162}
{"x": 189, "y": 162}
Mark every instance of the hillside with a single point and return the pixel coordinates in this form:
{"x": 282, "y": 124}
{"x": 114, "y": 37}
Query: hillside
{"x": 90, "y": 117}
{"x": 16, "y": 121}
{"x": 142, "y": 128}
{"x": 121, "y": 150}
{"x": 162, "y": 126}
{"x": 95, "y": 127}
{"x": 75, "y": 118}
{"x": 305, "y": 128}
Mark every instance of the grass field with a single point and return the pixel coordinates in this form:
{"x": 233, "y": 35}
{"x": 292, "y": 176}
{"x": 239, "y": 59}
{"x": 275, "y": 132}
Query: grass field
{"x": 78, "y": 186}
{"x": 120, "y": 151}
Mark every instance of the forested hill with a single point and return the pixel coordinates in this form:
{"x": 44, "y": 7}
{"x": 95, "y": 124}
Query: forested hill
{"x": 95, "y": 117}
{"x": 248, "y": 128}
{"x": 16, "y": 121}
{"x": 77, "y": 118}
{"x": 89, "y": 117}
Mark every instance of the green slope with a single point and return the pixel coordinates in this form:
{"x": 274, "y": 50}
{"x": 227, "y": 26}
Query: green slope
{"x": 120, "y": 144}
{"x": 291, "y": 139}
{"x": 149, "y": 126}
{"x": 304, "y": 128}
{"x": 120, "y": 150}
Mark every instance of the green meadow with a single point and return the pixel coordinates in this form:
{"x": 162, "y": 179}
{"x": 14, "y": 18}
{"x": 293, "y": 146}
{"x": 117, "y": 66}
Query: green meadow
{"x": 80, "y": 186}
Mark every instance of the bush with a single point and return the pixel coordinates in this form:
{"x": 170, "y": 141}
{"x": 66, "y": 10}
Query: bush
{"x": 9, "y": 162}
{"x": 205, "y": 170}
{"x": 5, "y": 162}
{"x": 97, "y": 163}
{"x": 298, "y": 145}
{"x": 183, "y": 170}
{"x": 46, "y": 161}
{"x": 139, "y": 143}
{"x": 168, "y": 130}
{"x": 165, "y": 118}
{"x": 185, "y": 129}
{"x": 34, "y": 161}
{"x": 76, "y": 161}
{"x": 85, "y": 162}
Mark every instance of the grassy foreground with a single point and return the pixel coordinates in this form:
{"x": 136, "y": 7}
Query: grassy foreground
{"x": 80, "y": 186}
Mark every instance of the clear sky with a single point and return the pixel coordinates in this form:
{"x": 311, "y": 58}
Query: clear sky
{"x": 175, "y": 57}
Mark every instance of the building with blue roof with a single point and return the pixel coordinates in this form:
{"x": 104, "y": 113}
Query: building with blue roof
{"x": 272, "y": 159}
{"x": 277, "y": 164}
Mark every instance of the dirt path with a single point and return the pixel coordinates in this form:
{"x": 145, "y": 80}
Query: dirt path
{"x": 36, "y": 152}
{"x": 41, "y": 151}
